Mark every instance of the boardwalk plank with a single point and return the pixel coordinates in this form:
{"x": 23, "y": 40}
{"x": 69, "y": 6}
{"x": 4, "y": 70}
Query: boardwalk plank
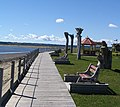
{"x": 42, "y": 87}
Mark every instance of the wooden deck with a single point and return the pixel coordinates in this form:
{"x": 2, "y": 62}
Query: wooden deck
{"x": 42, "y": 87}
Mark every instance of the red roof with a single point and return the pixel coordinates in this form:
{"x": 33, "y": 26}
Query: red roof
{"x": 87, "y": 41}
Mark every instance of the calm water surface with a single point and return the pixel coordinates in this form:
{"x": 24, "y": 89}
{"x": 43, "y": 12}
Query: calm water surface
{"x": 19, "y": 49}
{"x": 14, "y": 49}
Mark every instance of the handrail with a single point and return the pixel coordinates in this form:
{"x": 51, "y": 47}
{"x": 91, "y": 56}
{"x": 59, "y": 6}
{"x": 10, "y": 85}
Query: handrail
{"x": 23, "y": 62}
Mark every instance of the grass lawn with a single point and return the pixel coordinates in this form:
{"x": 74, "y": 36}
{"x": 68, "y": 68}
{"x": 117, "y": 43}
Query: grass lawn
{"x": 112, "y": 77}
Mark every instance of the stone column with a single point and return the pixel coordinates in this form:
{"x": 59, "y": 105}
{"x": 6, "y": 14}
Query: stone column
{"x": 79, "y": 31}
{"x": 72, "y": 38}
{"x": 67, "y": 40}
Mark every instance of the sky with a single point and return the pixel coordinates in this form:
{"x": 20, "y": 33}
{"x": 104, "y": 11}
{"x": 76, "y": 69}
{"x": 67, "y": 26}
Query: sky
{"x": 45, "y": 21}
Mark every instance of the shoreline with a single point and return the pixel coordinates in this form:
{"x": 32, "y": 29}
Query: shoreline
{"x": 36, "y": 46}
{"x": 10, "y": 57}
{"x": 5, "y": 53}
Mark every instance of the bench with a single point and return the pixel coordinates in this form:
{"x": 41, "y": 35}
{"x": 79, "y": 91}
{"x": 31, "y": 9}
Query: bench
{"x": 91, "y": 74}
{"x": 62, "y": 60}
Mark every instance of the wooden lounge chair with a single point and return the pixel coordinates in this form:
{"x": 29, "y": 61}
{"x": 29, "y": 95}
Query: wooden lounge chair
{"x": 91, "y": 74}
{"x": 62, "y": 60}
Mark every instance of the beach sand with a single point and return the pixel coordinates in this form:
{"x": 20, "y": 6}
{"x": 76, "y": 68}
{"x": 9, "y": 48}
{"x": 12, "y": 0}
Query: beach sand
{"x": 5, "y": 63}
{"x": 9, "y": 57}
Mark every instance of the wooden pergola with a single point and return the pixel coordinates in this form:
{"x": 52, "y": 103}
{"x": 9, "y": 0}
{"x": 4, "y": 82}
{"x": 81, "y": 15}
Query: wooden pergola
{"x": 91, "y": 46}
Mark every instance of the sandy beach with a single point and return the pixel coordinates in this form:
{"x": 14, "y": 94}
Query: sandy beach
{"x": 5, "y": 63}
{"x": 9, "y": 57}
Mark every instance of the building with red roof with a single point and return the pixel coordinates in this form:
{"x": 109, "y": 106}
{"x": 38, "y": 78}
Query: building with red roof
{"x": 87, "y": 41}
{"x": 91, "y": 46}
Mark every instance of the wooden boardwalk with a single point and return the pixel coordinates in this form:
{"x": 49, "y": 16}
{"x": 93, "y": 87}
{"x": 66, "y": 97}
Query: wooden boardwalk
{"x": 42, "y": 87}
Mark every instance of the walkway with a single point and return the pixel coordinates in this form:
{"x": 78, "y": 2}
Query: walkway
{"x": 42, "y": 87}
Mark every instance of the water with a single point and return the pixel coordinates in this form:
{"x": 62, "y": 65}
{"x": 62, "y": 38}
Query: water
{"x": 20, "y": 49}
{"x": 14, "y": 49}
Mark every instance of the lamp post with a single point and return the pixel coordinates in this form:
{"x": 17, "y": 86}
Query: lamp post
{"x": 79, "y": 31}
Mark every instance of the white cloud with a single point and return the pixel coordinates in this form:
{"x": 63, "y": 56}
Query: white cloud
{"x": 46, "y": 39}
{"x": 108, "y": 41}
{"x": 34, "y": 37}
{"x": 112, "y": 25}
{"x": 11, "y": 37}
{"x": 51, "y": 38}
{"x": 59, "y": 20}
{"x": 31, "y": 36}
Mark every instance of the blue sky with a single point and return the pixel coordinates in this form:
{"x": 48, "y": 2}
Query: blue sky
{"x": 45, "y": 21}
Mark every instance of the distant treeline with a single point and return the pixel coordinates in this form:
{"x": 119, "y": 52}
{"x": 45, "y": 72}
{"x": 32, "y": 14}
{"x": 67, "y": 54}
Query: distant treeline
{"x": 28, "y": 44}
{"x": 31, "y": 44}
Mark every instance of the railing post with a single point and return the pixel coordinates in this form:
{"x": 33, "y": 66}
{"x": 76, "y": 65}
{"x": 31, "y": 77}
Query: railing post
{"x": 28, "y": 62}
{"x": 1, "y": 81}
{"x": 19, "y": 70}
{"x": 24, "y": 66}
{"x": 12, "y": 75}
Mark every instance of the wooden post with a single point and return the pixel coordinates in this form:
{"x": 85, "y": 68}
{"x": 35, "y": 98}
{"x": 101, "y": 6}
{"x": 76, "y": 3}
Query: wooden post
{"x": 19, "y": 70}
{"x": 24, "y": 66}
{"x": 1, "y": 81}
{"x": 79, "y": 31}
{"x": 67, "y": 40}
{"x": 27, "y": 61}
{"x": 12, "y": 75}
{"x": 79, "y": 47}
{"x": 72, "y": 38}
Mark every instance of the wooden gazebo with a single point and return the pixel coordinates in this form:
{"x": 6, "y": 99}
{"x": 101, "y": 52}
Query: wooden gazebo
{"x": 88, "y": 46}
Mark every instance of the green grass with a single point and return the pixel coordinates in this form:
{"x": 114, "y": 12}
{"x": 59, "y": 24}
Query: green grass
{"x": 106, "y": 75}
{"x": 116, "y": 53}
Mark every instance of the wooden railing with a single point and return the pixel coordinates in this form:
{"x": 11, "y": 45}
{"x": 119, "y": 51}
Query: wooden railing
{"x": 13, "y": 73}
